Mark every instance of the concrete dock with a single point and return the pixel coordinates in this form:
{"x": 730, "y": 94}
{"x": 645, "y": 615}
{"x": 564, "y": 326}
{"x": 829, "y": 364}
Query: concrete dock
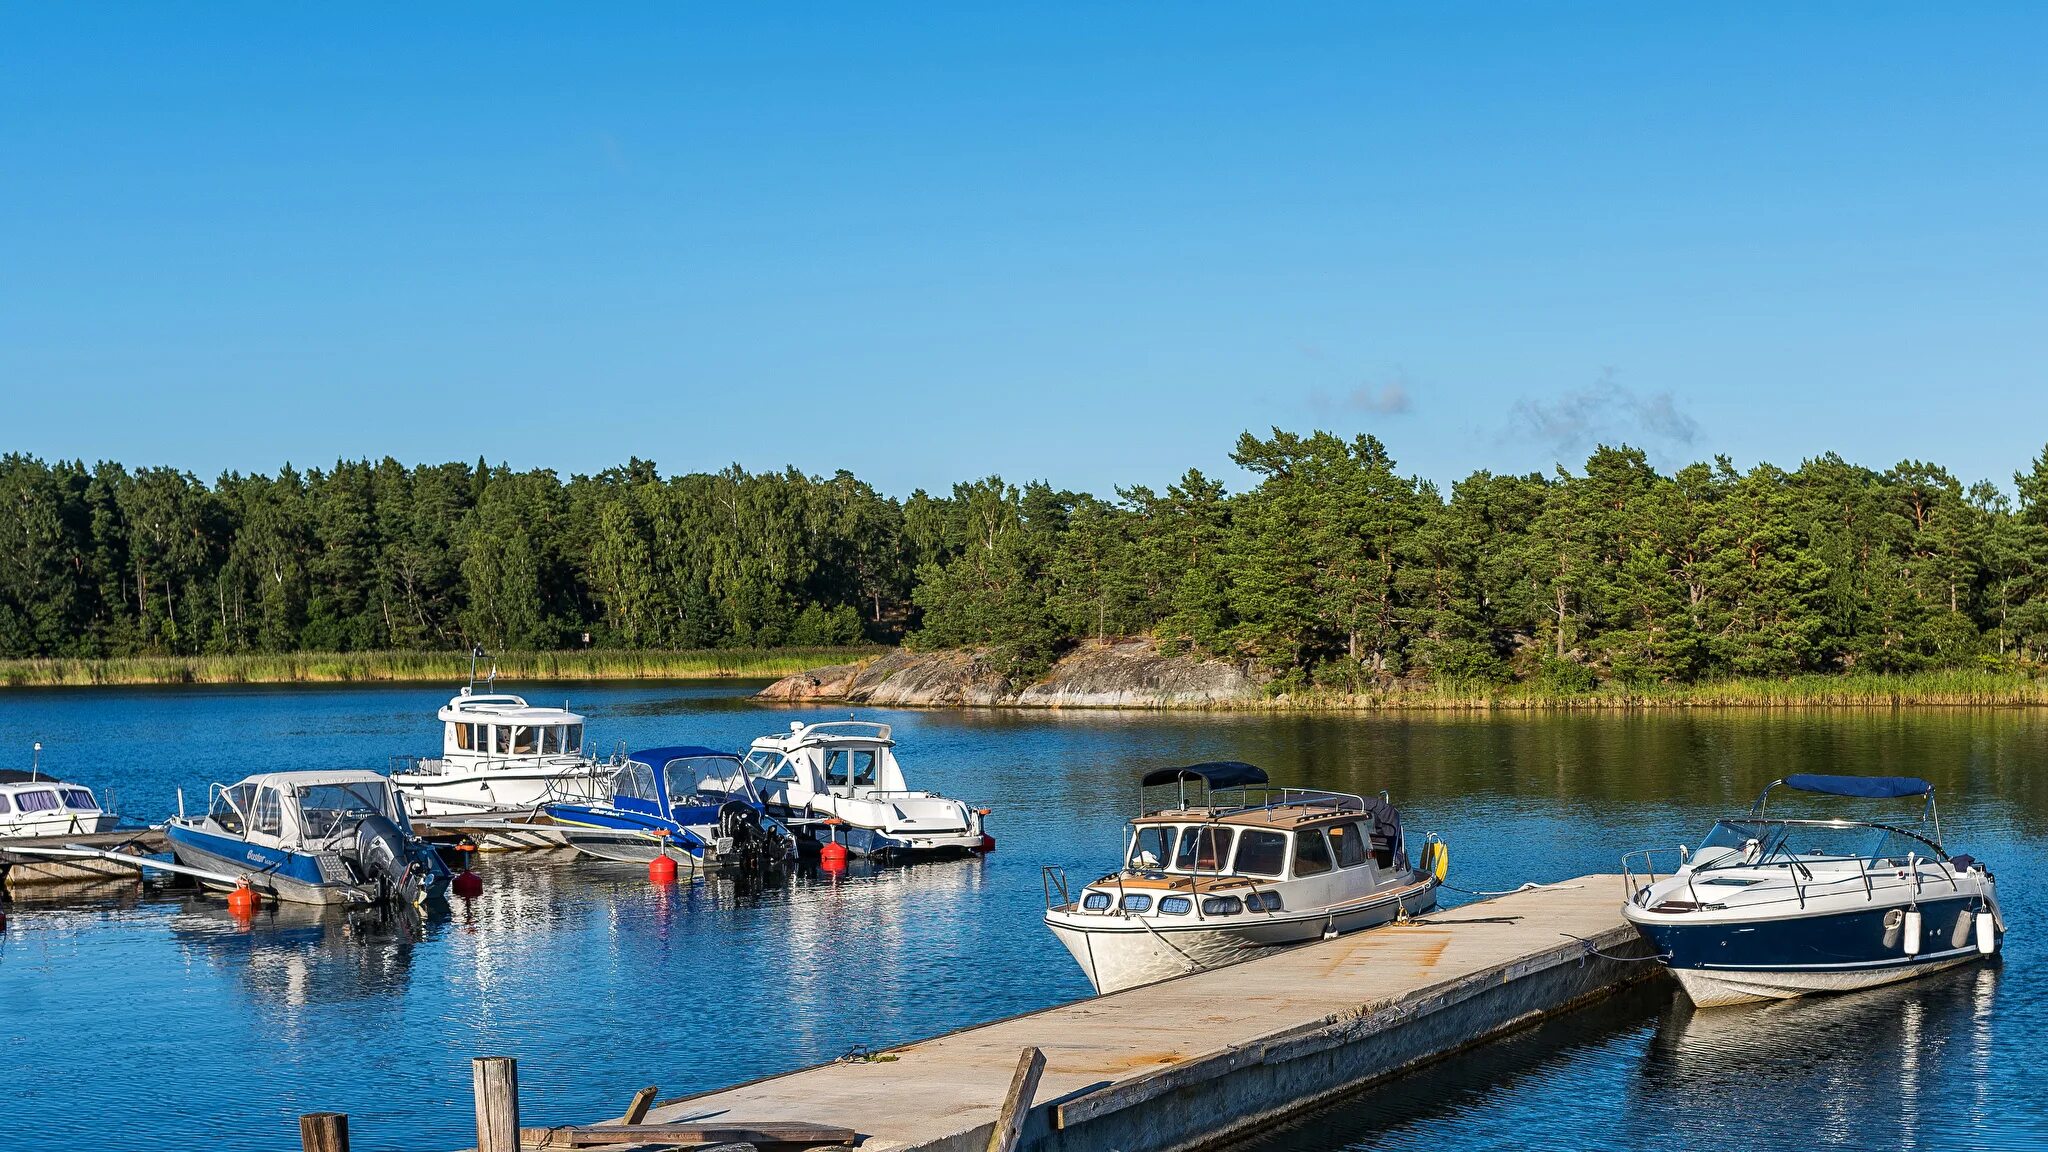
{"x": 1220, "y": 1054}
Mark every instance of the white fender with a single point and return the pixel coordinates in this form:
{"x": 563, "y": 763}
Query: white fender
{"x": 1987, "y": 933}
{"x": 1912, "y": 931}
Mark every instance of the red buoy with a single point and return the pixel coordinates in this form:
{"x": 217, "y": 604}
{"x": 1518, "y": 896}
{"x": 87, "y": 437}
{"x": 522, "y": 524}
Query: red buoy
{"x": 468, "y": 885}
{"x": 988, "y": 842}
{"x": 662, "y": 869}
{"x": 832, "y": 855}
{"x": 244, "y": 900}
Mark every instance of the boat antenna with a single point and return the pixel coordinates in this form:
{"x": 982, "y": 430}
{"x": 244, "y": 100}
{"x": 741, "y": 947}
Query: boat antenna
{"x": 476, "y": 653}
{"x": 35, "y": 764}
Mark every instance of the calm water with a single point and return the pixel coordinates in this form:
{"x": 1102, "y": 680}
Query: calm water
{"x": 159, "y": 1020}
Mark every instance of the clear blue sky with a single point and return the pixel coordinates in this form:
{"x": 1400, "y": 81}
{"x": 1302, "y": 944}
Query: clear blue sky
{"x": 1089, "y": 245}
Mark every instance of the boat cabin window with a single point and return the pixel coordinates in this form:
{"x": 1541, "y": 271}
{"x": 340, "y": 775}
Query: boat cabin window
{"x": 846, "y": 766}
{"x": 328, "y": 809}
{"x": 462, "y": 736}
{"x": 1204, "y": 849}
{"x": 770, "y": 766}
{"x": 1152, "y": 847}
{"x": 500, "y": 743}
{"x": 228, "y": 806}
{"x": 714, "y": 777}
{"x": 269, "y": 816}
{"x": 523, "y": 740}
{"x": 5, "y": 807}
{"x": 1311, "y": 853}
{"x": 1350, "y": 842}
{"x": 635, "y": 781}
{"x": 1262, "y": 854}
{"x": 572, "y": 739}
{"x": 561, "y": 740}
{"x": 37, "y": 801}
{"x": 79, "y": 799}
{"x": 1222, "y": 906}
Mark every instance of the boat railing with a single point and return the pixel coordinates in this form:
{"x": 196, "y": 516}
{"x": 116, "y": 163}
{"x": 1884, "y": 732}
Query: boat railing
{"x": 1639, "y": 870}
{"x": 1799, "y": 871}
{"x": 1257, "y": 797}
{"x": 1054, "y": 878}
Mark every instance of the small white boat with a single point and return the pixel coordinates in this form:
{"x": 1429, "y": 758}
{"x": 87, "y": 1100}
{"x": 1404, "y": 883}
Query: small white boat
{"x": 839, "y": 781}
{"x": 499, "y": 755}
{"x": 1213, "y": 883}
{"x": 34, "y": 803}
{"x": 1768, "y": 908}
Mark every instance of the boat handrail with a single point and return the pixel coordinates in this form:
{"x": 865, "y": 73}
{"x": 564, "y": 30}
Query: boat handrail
{"x": 1289, "y": 797}
{"x": 1933, "y": 842}
{"x": 876, "y": 729}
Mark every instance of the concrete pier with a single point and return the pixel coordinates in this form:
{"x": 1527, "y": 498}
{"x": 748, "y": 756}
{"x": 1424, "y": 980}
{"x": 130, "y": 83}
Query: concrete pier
{"x": 1219, "y": 1054}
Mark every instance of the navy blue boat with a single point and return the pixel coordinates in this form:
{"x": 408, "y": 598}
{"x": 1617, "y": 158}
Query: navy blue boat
{"x": 696, "y": 805}
{"x": 1768, "y": 908}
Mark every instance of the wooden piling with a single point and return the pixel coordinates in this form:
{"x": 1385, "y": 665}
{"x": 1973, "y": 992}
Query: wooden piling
{"x": 1017, "y": 1102}
{"x": 324, "y": 1132}
{"x": 642, "y": 1100}
{"x": 497, "y": 1103}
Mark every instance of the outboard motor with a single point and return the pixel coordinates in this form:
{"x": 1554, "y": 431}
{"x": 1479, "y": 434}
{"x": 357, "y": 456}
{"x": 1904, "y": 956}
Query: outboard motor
{"x": 381, "y": 858}
{"x": 753, "y": 845}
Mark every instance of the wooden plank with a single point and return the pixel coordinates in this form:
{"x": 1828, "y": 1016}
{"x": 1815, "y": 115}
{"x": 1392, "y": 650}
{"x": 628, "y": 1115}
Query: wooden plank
{"x": 323, "y": 1132}
{"x": 642, "y": 1100}
{"x": 758, "y": 1133}
{"x": 497, "y": 1103}
{"x": 1017, "y": 1102}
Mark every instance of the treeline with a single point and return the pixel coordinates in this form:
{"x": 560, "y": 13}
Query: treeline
{"x": 1333, "y": 569}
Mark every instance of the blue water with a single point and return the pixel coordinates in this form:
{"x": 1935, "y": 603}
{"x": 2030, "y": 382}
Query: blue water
{"x": 157, "y": 1020}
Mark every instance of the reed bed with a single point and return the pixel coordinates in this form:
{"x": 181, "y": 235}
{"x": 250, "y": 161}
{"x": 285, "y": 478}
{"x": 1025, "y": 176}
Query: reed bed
{"x": 422, "y": 667}
{"x": 1945, "y": 687}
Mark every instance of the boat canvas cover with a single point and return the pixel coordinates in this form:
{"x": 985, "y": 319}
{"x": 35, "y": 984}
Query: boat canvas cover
{"x": 1216, "y": 773}
{"x": 1867, "y": 787}
{"x": 659, "y": 757}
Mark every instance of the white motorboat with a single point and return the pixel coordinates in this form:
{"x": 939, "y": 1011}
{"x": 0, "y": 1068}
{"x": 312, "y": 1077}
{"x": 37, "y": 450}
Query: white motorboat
{"x": 839, "y": 781}
{"x": 1216, "y": 882}
{"x": 34, "y": 803}
{"x": 1769, "y": 908}
{"x": 500, "y": 755}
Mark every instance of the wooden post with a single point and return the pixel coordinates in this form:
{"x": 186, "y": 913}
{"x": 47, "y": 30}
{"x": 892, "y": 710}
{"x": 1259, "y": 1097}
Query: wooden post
{"x": 642, "y": 1101}
{"x": 324, "y": 1131}
{"x": 1017, "y": 1105}
{"x": 497, "y": 1103}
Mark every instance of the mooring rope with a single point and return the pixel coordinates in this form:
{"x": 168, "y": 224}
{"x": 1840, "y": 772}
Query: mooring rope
{"x": 1587, "y": 945}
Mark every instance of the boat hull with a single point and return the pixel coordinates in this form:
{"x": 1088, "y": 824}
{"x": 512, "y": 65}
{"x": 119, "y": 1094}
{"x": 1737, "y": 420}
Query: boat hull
{"x": 62, "y": 824}
{"x": 1119, "y": 952}
{"x": 492, "y": 793}
{"x": 294, "y": 876}
{"x": 1736, "y": 960}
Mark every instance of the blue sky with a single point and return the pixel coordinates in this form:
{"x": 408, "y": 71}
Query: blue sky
{"x": 1089, "y": 244}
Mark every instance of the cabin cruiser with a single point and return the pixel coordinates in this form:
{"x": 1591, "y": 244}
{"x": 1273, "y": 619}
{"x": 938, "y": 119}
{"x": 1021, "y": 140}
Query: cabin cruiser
{"x": 693, "y": 804}
{"x": 1212, "y": 883}
{"x": 499, "y": 754}
{"x": 1769, "y": 908}
{"x": 35, "y": 804}
{"x": 839, "y": 781}
{"x": 310, "y": 837}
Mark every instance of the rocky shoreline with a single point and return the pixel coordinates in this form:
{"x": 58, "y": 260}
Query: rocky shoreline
{"x": 1110, "y": 674}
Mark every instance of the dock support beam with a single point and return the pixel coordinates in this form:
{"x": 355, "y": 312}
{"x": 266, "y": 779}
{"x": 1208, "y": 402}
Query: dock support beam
{"x": 324, "y": 1132}
{"x": 497, "y": 1103}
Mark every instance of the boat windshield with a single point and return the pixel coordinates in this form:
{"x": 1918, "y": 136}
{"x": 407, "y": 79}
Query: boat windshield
{"x": 770, "y": 766}
{"x": 707, "y": 778}
{"x": 1151, "y": 847}
{"x": 1759, "y": 842}
{"x": 325, "y": 809}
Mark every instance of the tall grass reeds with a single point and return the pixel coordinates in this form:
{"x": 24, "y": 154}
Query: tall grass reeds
{"x": 421, "y": 667}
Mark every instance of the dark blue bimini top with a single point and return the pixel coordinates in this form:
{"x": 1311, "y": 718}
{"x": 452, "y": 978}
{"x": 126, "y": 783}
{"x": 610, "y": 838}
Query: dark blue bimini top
{"x": 1218, "y": 774}
{"x": 659, "y": 757}
{"x": 1870, "y": 787}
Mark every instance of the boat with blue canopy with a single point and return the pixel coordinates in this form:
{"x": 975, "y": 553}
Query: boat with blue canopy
{"x": 1768, "y": 907}
{"x": 695, "y": 805}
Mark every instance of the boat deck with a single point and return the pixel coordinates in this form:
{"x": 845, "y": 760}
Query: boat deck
{"x": 25, "y": 872}
{"x": 1211, "y": 1055}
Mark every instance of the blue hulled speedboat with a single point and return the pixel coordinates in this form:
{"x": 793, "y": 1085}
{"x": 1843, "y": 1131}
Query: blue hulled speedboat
{"x": 696, "y": 805}
{"x": 311, "y": 837}
{"x": 1769, "y": 908}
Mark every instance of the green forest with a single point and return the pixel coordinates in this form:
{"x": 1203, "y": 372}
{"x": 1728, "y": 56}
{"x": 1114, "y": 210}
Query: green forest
{"x": 1330, "y": 569}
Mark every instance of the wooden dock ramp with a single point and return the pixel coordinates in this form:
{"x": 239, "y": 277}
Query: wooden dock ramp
{"x": 1222, "y": 1053}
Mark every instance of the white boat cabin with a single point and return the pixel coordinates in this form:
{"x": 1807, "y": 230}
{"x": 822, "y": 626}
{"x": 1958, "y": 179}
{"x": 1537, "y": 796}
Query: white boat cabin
{"x": 301, "y": 809}
{"x": 848, "y": 758}
{"x": 496, "y": 727}
{"x": 32, "y": 804}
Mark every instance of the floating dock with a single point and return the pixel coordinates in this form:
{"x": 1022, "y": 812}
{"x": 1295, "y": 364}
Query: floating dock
{"x": 34, "y": 873}
{"x": 1221, "y": 1054}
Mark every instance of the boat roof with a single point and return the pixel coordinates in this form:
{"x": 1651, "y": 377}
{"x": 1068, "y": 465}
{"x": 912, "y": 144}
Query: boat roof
{"x": 826, "y": 732}
{"x": 659, "y": 757}
{"x": 1215, "y": 773}
{"x": 504, "y": 706}
{"x": 306, "y": 777}
{"x": 1868, "y": 787}
{"x": 1278, "y": 816}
